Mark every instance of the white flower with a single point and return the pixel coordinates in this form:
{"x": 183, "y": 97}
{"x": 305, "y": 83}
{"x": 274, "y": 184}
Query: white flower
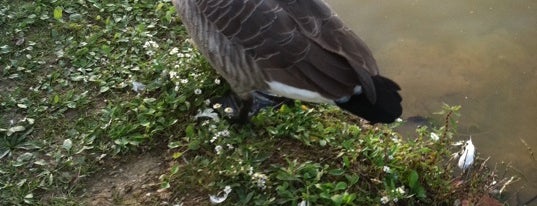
{"x": 217, "y": 81}
{"x": 467, "y": 156}
{"x": 219, "y": 198}
{"x": 384, "y": 200}
{"x": 197, "y": 91}
{"x": 172, "y": 74}
{"x": 228, "y": 110}
{"x": 386, "y": 169}
{"x": 137, "y": 86}
{"x": 184, "y": 81}
{"x": 395, "y": 199}
{"x": 154, "y": 44}
{"x": 224, "y": 133}
{"x": 217, "y": 106}
{"x": 175, "y": 50}
{"x": 434, "y": 136}
{"x": 150, "y": 53}
{"x": 229, "y": 146}
{"x": 218, "y": 149}
{"x": 401, "y": 190}
{"x": 215, "y": 137}
{"x": 260, "y": 180}
{"x": 146, "y": 45}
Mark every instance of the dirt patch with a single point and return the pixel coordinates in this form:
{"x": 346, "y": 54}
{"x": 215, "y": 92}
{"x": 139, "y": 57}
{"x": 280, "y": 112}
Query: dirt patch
{"x": 135, "y": 181}
{"x": 6, "y": 86}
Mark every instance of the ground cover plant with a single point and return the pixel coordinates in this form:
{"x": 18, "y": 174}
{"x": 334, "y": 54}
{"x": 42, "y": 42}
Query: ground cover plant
{"x": 86, "y": 86}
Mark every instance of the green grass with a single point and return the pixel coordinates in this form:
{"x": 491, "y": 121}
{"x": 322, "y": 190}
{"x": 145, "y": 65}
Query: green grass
{"x": 67, "y": 105}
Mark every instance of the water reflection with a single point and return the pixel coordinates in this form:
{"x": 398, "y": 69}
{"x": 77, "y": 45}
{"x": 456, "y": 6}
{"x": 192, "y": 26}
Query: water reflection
{"x": 478, "y": 54}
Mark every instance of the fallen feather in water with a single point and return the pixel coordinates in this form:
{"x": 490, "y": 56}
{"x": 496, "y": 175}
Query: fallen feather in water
{"x": 467, "y": 157}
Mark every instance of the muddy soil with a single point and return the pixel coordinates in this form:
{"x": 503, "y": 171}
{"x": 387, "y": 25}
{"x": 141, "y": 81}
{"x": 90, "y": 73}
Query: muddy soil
{"x": 134, "y": 181}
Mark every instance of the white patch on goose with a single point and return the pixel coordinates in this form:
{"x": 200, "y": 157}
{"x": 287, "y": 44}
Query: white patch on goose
{"x": 357, "y": 90}
{"x": 297, "y": 93}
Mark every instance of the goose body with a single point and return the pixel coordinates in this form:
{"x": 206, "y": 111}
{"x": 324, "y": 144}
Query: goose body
{"x": 298, "y": 49}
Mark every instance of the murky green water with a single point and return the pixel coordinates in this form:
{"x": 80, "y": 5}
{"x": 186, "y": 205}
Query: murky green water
{"x": 481, "y": 54}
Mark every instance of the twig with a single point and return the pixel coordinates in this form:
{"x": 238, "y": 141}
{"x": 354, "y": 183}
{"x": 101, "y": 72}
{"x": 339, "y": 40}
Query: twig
{"x": 506, "y": 183}
{"x": 484, "y": 162}
{"x": 446, "y": 127}
{"x": 531, "y": 200}
{"x": 529, "y": 149}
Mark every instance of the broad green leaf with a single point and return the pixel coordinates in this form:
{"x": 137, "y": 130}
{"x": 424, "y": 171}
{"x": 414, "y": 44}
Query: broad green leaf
{"x": 14, "y": 129}
{"x": 413, "y": 179}
{"x": 337, "y": 199}
{"x": 58, "y": 13}
{"x": 336, "y": 172}
{"x": 174, "y": 169}
{"x": 190, "y": 130}
{"x": 177, "y": 155}
{"x": 420, "y": 192}
{"x": 341, "y": 186}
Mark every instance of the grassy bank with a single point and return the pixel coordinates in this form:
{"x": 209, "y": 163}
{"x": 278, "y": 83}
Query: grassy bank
{"x": 88, "y": 86}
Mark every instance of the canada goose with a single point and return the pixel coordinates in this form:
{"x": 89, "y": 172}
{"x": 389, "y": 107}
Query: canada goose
{"x": 297, "y": 49}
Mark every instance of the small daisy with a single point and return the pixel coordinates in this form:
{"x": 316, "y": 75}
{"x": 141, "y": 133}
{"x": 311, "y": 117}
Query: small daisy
{"x": 224, "y": 133}
{"x": 197, "y": 91}
{"x": 260, "y": 180}
{"x": 386, "y": 169}
{"x": 384, "y": 200}
{"x": 217, "y": 106}
{"x": 400, "y": 190}
{"x": 228, "y": 110}
{"x": 172, "y": 74}
{"x": 174, "y": 51}
{"x": 218, "y": 149}
{"x": 146, "y": 45}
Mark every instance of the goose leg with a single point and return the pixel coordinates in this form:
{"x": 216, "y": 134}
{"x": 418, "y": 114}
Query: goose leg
{"x": 249, "y": 105}
{"x": 244, "y": 111}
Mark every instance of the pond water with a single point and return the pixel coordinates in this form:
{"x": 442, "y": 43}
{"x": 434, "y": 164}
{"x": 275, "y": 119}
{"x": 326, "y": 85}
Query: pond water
{"x": 479, "y": 54}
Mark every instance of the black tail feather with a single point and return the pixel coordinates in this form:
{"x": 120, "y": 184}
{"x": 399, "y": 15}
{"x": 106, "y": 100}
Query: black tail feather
{"x": 386, "y": 109}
